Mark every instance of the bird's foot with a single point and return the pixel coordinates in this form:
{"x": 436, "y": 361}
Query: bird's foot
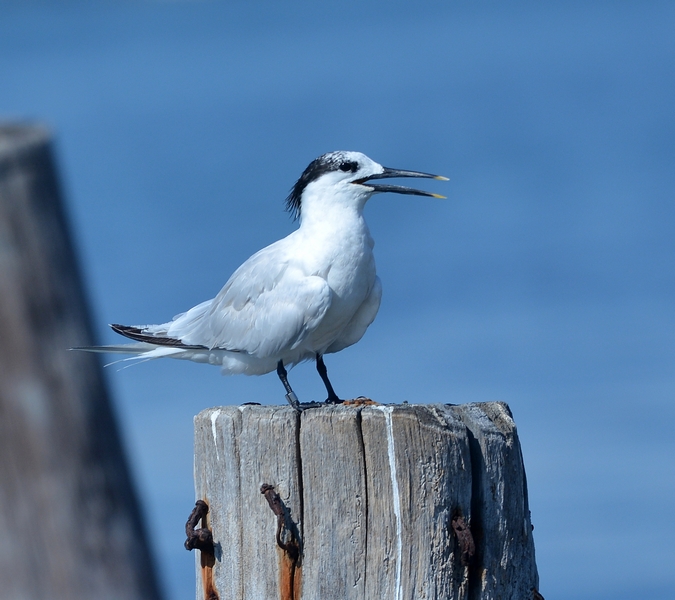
{"x": 298, "y": 406}
{"x": 292, "y": 399}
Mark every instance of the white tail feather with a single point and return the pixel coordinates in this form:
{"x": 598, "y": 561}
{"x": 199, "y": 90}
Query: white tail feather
{"x": 141, "y": 351}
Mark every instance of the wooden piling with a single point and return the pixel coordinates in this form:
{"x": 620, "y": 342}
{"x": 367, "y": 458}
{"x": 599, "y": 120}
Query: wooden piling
{"x": 396, "y": 502}
{"x": 69, "y": 522}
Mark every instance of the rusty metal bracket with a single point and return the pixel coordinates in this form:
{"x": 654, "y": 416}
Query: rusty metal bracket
{"x": 202, "y": 538}
{"x": 292, "y": 547}
{"x": 290, "y": 571}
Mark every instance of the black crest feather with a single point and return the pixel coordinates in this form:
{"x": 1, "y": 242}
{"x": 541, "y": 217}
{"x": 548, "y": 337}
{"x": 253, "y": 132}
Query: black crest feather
{"x": 332, "y": 161}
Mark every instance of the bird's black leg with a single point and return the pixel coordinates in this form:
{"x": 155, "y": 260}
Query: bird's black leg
{"x": 323, "y": 373}
{"x": 290, "y": 394}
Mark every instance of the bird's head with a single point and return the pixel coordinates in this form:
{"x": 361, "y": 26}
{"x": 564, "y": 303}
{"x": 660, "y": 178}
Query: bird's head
{"x": 345, "y": 178}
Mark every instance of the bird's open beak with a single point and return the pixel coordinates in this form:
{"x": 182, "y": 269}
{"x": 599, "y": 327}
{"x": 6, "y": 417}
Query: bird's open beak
{"x": 399, "y": 189}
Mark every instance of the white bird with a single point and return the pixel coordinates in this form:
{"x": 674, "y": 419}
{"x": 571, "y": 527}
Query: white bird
{"x": 312, "y": 293}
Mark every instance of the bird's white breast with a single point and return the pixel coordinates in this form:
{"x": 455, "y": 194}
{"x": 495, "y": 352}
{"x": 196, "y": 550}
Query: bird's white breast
{"x": 343, "y": 256}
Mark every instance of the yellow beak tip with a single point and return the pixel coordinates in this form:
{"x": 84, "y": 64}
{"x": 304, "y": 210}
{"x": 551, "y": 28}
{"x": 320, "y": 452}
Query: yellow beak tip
{"x": 439, "y": 196}
{"x": 441, "y": 178}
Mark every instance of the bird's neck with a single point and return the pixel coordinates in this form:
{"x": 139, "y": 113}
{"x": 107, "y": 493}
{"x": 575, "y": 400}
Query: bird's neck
{"x": 333, "y": 220}
{"x": 335, "y": 242}
{"x": 325, "y": 210}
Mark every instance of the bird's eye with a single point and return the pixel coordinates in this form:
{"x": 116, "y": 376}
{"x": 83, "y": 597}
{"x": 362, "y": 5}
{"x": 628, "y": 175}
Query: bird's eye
{"x": 349, "y": 166}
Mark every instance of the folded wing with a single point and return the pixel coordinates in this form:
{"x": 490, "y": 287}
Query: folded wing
{"x": 267, "y": 307}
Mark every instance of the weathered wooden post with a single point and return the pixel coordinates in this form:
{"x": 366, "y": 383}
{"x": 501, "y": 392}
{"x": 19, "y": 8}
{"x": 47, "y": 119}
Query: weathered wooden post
{"x": 70, "y": 528}
{"x": 398, "y": 502}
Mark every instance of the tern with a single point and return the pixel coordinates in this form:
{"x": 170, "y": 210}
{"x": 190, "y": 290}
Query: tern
{"x": 312, "y": 293}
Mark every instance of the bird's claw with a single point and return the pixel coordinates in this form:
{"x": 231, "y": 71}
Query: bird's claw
{"x": 298, "y": 406}
{"x": 292, "y": 399}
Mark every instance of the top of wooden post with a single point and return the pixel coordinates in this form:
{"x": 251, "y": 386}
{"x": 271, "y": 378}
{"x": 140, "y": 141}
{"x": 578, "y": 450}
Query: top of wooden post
{"x": 386, "y": 501}
{"x": 16, "y": 138}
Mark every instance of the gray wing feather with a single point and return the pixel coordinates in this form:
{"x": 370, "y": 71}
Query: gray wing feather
{"x": 266, "y": 307}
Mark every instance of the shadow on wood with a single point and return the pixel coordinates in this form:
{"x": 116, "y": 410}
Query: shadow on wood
{"x": 399, "y": 501}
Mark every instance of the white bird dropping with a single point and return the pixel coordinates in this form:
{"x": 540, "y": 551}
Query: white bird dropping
{"x": 312, "y": 293}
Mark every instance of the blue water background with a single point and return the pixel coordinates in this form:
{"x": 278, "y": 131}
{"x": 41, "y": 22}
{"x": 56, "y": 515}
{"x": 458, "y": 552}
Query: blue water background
{"x": 547, "y": 279}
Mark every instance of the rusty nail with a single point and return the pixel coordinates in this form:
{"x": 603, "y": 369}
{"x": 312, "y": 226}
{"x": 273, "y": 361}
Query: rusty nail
{"x": 201, "y": 538}
{"x": 277, "y": 506}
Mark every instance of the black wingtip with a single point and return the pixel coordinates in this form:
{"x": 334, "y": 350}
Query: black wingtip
{"x": 137, "y": 334}
{"x": 126, "y": 330}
